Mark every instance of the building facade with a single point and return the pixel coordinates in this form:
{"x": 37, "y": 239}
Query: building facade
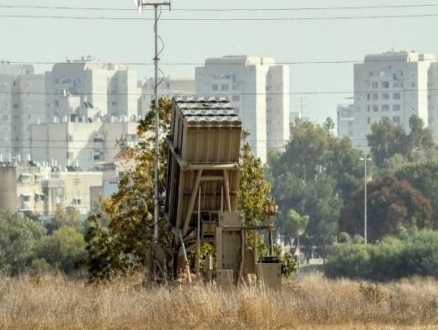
{"x": 345, "y": 120}
{"x": 29, "y": 188}
{"x": 394, "y": 86}
{"x": 87, "y": 145}
{"x": 22, "y": 104}
{"x": 169, "y": 86}
{"x": 74, "y": 88}
{"x": 258, "y": 90}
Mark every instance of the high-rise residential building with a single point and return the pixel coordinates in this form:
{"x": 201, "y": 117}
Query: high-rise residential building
{"x": 75, "y": 87}
{"x": 168, "y": 86}
{"x": 345, "y": 120}
{"x": 85, "y": 144}
{"x": 258, "y": 90}
{"x": 394, "y": 86}
{"x": 22, "y": 103}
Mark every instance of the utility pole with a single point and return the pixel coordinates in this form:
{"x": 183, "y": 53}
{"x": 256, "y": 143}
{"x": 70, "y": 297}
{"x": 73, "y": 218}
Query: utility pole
{"x": 365, "y": 218}
{"x": 156, "y": 5}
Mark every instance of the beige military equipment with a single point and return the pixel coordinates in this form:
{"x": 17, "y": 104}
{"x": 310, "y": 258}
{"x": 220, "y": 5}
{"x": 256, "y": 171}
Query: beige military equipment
{"x": 203, "y": 189}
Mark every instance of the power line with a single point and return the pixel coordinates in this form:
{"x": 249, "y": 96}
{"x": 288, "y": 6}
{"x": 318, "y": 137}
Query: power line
{"x": 95, "y": 18}
{"x": 407, "y": 6}
{"x": 202, "y": 63}
{"x": 234, "y": 93}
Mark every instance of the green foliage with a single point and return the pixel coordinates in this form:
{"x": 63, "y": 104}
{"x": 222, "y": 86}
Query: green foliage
{"x": 313, "y": 176}
{"x": 62, "y": 250}
{"x": 294, "y": 224}
{"x": 423, "y": 177}
{"x": 65, "y": 217}
{"x": 18, "y": 237}
{"x": 348, "y": 260}
{"x": 388, "y": 140}
{"x": 391, "y": 259}
{"x": 255, "y": 190}
{"x": 391, "y": 204}
{"x": 344, "y": 237}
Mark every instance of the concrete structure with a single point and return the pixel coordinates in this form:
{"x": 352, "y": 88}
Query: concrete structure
{"x": 87, "y": 145}
{"x": 259, "y": 91}
{"x": 75, "y": 88}
{"x": 28, "y": 187}
{"x": 345, "y": 120}
{"x": 394, "y": 86}
{"x": 22, "y": 103}
{"x": 169, "y": 86}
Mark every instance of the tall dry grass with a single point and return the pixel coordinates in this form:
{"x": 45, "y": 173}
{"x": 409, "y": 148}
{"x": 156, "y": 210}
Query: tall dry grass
{"x": 54, "y": 302}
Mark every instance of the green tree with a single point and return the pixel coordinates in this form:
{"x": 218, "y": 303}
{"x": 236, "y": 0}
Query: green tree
{"x": 120, "y": 235}
{"x": 391, "y": 204}
{"x": 420, "y": 137}
{"x": 62, "y": 250}
{"x": 65, "y": 217}
{"x": 294, "y": 225}
{"x": 423, "y": 177}
{"x": 18, "y": 237}
{"x": 387, "y": 140}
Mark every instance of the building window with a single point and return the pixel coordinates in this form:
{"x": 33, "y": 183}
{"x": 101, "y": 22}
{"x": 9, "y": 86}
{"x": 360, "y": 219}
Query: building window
{"x": 236, "y": 98}
{"x": 368, "y": 97}
{"x": 214, "y": 88}
{"x": 385, "y": 107}
{"x": 385, "y": 96}
{"x": 396, "y": 96}
{"x": 385, "y": 84}
{"x": 396, "y": 107}
{"x": 369, "y": 120}
{"x": 224, "y": 87}
{"x": 375, "y": 96}
{"x": 396, "y": 120}
{"x": 375, "y": 108}
{"x": 56, "y": 103}
{"x": 414, "y": 84}
{"x": 369, "y": 108}
{"x": 375, "y": 85}
{"x": 385, "y": 118}
{"x": 5, "y": 117}
{"x": 15, "y": 105}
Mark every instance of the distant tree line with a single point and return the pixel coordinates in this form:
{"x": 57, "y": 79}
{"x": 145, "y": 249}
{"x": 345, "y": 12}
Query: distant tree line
{"x": 28, "y": 244}
{"x": 318, "y": 185}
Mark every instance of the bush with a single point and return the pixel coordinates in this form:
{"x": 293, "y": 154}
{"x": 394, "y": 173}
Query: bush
{"x": 393, "y": 258}
{"x": 347, "y": 260}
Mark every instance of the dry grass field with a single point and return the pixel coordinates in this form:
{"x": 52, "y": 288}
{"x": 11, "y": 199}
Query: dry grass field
{"x": 53, "y": 302}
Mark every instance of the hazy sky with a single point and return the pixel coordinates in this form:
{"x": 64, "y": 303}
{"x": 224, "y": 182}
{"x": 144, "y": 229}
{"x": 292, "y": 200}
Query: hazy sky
{"x": 191, "y": 41}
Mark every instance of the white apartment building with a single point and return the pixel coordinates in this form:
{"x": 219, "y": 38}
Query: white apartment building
{"x": 85, "y": 144}
{"x": 394, "y": 86}
{"x": 169, "y": 86}
{"x": 345, "y": 120}
{"x": 75, "y": 87}
{"x": 258, "y": 90}
{"x": 22, "y": 103}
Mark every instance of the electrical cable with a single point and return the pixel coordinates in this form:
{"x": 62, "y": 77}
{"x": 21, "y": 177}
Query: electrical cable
{"x": 211, "y": 19}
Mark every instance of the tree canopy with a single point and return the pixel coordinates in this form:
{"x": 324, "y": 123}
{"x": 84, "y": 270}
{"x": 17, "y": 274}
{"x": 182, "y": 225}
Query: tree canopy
{"x": 391, "y": 204}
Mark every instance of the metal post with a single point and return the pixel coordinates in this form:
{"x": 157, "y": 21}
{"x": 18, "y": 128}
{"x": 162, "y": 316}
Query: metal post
{"x": 365, "y": 206}
{"x": 198, "y": 237}
{"x": 157, "y": 130}
{"x": 157, "y": 117}
{"x": 270, "y": 240}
